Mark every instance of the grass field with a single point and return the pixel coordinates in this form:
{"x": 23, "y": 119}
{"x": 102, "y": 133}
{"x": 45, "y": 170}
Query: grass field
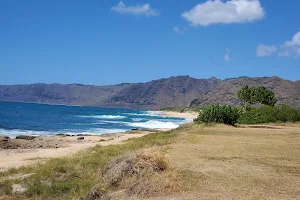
{"x": 195, "y": 162}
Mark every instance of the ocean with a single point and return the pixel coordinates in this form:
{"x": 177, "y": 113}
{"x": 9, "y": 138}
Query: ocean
{"x": 38, "y": 119}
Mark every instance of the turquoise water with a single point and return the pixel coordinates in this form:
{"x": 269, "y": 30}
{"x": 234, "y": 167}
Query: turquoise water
{"x": 36, "y": 119}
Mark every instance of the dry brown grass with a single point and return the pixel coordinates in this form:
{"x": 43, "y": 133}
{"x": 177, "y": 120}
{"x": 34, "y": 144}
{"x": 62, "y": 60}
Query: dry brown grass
{"x": 141, "y": 174}
{"x": 239, "y": 163}
{"x": 138, "y": 164}
{"x": 192, "y": 162}
{"x": 6, "y": 198}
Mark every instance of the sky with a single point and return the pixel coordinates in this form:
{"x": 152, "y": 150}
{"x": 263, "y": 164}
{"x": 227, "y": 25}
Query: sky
{"x": 104, "y": 42}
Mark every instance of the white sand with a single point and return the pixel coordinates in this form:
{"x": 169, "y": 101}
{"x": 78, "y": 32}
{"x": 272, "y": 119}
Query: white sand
{"x": 187, "y": 115}
{"x": 19, "y": 157}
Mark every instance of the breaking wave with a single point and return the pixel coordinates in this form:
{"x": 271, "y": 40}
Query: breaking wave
{"x": 105, "y": 116}
{"x": 148, "y": 113}
{"x": 154, "y": 124}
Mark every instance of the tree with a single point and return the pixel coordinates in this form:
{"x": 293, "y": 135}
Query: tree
{"x": 265, "y": 96}
{"x": 256, "y": 94}
{"x": 245, "y": 96}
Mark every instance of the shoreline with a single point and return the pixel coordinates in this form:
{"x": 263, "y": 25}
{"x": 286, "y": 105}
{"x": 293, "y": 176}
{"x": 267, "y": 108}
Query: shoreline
{"x": 187, "y": 115}
{"x": 44, "y": 147}
{"x": 31, "y": 151}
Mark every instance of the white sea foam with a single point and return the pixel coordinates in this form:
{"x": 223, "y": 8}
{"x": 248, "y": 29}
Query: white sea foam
{"x": 110, "y": 122}
{"x": 105, "y": 116}
{"x": 15, "y": 132}
{"x": 154, "y": 124}
{"x": 96, "y": 131}
{"x": 149, "y": 113}
{"x": 137, "y": 119}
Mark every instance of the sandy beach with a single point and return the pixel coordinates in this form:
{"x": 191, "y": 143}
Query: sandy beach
{"x": 187, "y": 115}
{"x": 20, "y": 152}
{"x": 43, "y": 147}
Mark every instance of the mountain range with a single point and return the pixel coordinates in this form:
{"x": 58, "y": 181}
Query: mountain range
{"x": 167, "y": 92}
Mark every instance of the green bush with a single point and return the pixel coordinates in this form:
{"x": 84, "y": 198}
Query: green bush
{"x": 268, "y": 114}
{"x": 219, "y": 114}
{"x": 256, "y": 94}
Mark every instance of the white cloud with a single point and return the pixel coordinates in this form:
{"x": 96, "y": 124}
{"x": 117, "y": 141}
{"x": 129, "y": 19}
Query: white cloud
{"x": 217, "y": 11}
{"x": 294, "y": 42}
{"x": 264, "y": 50}
{"x": 176, "y": 29}
{"x": 298, "y": 52}
{"x": 291, "y": 47}
{"x": 227, "y": 55}
{"x": 136, "y": 10}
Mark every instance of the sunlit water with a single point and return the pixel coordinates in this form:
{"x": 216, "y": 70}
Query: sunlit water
{"x": 36, "y": 119}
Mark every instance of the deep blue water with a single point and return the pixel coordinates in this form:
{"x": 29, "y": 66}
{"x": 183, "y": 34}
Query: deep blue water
{"x": 36, "y": 119}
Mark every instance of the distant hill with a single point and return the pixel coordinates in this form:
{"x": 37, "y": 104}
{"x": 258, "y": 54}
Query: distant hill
{"x": 168, "y": 92}
{"x": 287, "y": 92}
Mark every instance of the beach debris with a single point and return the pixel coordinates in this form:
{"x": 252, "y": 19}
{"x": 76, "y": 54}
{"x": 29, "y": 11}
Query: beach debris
{"x": 80, "y": 138}
{"x": 25, "y": 137}
{"x": 135, "y": 129}
{"x": 18, "y": 189}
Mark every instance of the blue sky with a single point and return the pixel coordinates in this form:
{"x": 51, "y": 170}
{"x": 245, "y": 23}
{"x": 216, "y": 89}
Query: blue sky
{"x": 108, "y": 42}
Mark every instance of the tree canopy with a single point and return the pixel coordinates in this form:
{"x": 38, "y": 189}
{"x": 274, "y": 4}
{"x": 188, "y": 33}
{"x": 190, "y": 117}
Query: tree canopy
{"x": 256, "y": 94}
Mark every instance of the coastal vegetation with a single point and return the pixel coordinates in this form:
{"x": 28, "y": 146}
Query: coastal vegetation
{"x": 68, "y": 177}
{"x": 193, "y": 161}
{"x": 256, "y": 94}
{"x": 269, "y": 114}
{"x": 219, "y": 114}
{"x": 265, "y": 110}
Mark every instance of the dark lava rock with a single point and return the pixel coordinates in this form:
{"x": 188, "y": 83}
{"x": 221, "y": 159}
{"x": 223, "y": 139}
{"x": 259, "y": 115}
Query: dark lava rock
{"x": 25, "y": 137}
{"x": 80, "y": 138}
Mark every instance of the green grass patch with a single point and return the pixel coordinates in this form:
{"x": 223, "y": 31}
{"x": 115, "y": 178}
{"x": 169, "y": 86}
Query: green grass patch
{"x": 69, "y": 177}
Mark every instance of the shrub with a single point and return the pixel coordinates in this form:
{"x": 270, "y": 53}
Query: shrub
{"x": 268, "y": 114}
{"x": 219, "y": 114}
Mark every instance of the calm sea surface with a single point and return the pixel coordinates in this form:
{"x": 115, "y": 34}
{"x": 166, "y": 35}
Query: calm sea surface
{"x": 36, "y": 119}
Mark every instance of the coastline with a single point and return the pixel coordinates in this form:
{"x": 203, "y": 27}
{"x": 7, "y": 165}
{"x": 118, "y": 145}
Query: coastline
{"x": 187, "y": 115}
{"x": 44, "y": 147}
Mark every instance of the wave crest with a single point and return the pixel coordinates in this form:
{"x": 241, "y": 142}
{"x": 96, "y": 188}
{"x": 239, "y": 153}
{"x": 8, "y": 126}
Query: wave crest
{"x": 105, "y": 116}
{"x": 154, "y": 124}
